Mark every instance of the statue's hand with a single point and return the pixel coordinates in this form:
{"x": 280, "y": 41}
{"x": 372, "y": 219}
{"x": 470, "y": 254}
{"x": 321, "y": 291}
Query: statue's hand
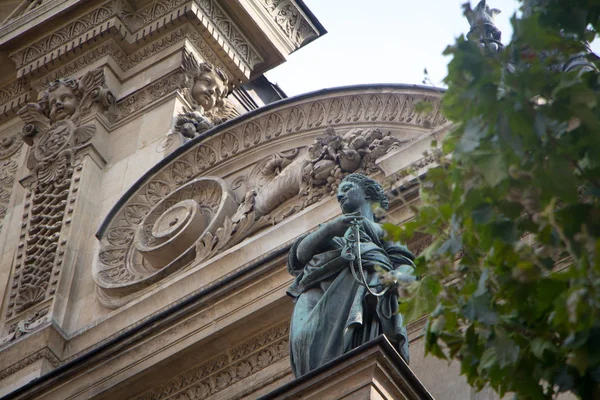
{"x": 392, "y": 278}
{"x": 339, "y": 226}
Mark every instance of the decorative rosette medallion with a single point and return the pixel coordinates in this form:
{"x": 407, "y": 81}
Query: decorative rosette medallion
{"x": 144, "y": 244}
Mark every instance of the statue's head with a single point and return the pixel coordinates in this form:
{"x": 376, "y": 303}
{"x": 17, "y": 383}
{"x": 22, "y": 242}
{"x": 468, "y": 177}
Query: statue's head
{"x": 210, "y": 86}
{"x": 356, "y": 189}
{"x": 62, "y": 99}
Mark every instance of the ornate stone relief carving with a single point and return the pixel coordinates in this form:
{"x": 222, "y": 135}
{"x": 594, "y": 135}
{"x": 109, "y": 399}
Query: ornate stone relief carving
{"x": 14, "y": 90}
{"x": 279, "y": 185}
{"x": 70, "y": 32}
{"x": 224, "y": 370}
{"x": 143, "y": 98}
{"x": 9, "y": 151}
{"x": 205, "y": 87}
{"x": 225, "y": 25}
{"x": 125, "y": 62}
{"x": 118, "y": 13}
{"x": 290, "y": 20}
{"x": 26, "y": 7}
{"x": 27, "y": 325}
{"x": 333, "y": 156}
{"x": 44, "y": 353}
{"x": 55, "y": 133}
{"x": 147, "y": 243}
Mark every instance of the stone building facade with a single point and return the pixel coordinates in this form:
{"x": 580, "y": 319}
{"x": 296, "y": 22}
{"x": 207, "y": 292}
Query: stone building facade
{"x": 151, "y": 185}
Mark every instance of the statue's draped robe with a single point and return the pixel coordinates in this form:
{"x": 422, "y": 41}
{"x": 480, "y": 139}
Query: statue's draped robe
{"x": 333, "y": 313}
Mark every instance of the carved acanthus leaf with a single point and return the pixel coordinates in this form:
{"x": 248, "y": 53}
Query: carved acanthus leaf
{"x": 292, "y": 22}
{"x": 214, "y": 375}
{"x": 26, "y": 325}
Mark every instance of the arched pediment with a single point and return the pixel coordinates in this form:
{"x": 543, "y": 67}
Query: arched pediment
{"x": 248, "y": 173}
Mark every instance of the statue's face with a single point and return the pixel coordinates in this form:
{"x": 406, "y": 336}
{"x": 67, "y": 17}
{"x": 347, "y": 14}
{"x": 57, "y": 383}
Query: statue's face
{"x": 207, "y": 89}
{"x": 62, "y": 103}
{"x": 351, "y": 197}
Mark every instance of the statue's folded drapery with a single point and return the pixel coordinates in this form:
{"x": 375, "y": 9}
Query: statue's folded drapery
{"x": 333, "y": 312}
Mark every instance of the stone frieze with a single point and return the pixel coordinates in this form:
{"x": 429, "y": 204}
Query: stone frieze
{"x": 121, "y": 272}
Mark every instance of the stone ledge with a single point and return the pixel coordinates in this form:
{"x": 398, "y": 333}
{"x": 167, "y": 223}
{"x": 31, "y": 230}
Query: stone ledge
{"x": 374, "y": 370}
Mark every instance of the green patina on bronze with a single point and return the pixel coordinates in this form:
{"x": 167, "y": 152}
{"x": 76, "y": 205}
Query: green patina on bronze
{"x": 341, "y": 300}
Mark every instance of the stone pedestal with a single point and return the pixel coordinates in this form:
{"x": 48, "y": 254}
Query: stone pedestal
{"x": 373, "y": 371}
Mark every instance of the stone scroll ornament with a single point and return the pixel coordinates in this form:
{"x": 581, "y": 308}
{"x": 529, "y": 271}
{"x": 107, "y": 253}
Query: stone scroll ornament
{"x": 205, "y": 87}
{"x": 178, "y": 220}
{"x": 55, "y": 133}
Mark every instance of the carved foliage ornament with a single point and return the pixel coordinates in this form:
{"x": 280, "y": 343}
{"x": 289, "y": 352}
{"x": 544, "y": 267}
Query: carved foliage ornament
{"x": 146, "y": 243}
{"x": 290, "y": 20}
{"x": 54, "y": 132}
{"x": 240, "y": 362}
{"x": 278, "y": 186}
{"x": 97, "y": 20}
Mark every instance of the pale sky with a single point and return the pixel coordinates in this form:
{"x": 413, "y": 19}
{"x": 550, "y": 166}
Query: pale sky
{"x": 380, "y": 41}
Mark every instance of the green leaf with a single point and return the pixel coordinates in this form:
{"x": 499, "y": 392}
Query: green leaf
{"x": 488, "y": 358}
{"x": 470, "y": 138}
{"x": 482, "y": 285}
{"x": 423, "y": 299}
{"x": 539, "y": 345}
{"x": 492, "y": 165}
{"x": 478, "y": 309}
{"x": 578, "y": 359}
{"x": 506, "y": 350}
{"x": 483, "y": 214}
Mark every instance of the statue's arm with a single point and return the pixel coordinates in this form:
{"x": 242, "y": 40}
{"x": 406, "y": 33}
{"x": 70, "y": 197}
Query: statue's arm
{"x": 314, "y": 243}
{"x": 319, "y": 240}
{"x": 402, "y": 260}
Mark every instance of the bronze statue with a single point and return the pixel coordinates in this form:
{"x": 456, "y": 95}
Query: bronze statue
{"x": 346, "y": 274}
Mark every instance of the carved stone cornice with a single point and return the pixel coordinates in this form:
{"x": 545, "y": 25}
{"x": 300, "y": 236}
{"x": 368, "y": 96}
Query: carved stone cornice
{"x": 140, "y": 100}
{"x": 118, "y": 17}
{"x": 13, "y": 96}
{"x": 120, "y": 272}
{"x": 49, "y": 7}
{"x": 226, "y": 369}
{"x": 44, "y": 353}
{"x": 292, "y": 22}
{"x": 72, "y": 35}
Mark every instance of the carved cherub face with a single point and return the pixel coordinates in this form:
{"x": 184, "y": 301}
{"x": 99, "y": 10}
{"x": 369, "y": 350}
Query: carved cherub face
{"x": 62, "y": 103}
{"x": 209, "y": 89}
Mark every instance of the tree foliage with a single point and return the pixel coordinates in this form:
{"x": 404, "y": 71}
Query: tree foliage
{"x": 512, "y": 278}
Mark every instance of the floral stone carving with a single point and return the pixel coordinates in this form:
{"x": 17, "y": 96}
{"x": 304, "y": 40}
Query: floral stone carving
{"x": 205, "y": 87}
{"x": 145, "y": 244}
{"x": 55, "y": 134}
{"x": 333, "y": 156}
{"x": 277, "y": 186}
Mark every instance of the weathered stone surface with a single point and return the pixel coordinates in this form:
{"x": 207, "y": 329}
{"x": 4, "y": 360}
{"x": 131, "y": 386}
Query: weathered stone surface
{"x": 373, "y": 371}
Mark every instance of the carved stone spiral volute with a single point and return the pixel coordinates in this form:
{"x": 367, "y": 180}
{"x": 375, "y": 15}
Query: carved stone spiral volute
{"x": 142, "y": 245}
